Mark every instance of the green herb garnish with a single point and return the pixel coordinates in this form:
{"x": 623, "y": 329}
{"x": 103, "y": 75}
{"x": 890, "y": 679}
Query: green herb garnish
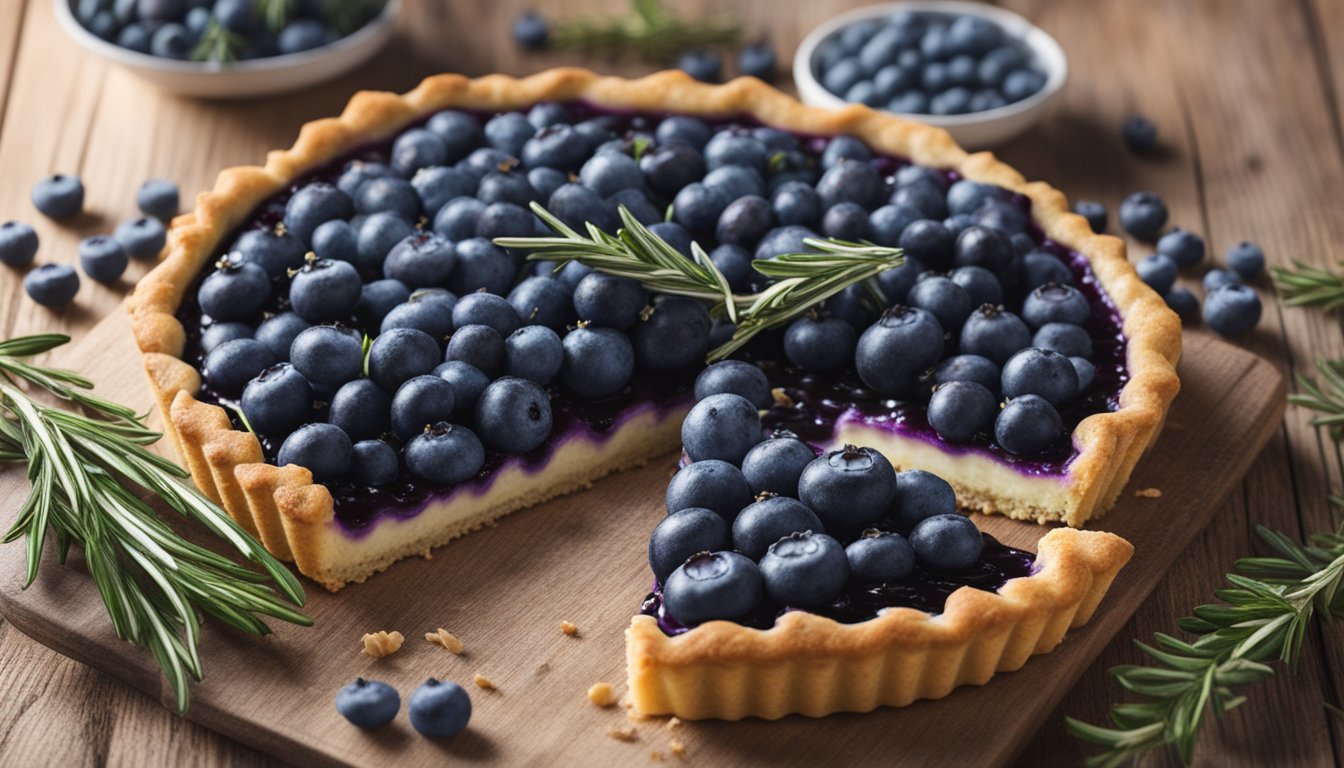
{"x": 87, "y": 470}
{"x": 218, "y": 45}
{"x": 1306, "y": 286}
{"x": 802, "y": 280}
{"x": 649, "y": 30}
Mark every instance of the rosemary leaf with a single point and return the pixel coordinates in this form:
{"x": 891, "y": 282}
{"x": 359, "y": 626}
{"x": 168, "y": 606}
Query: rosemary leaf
{"x": 649, "y": 30}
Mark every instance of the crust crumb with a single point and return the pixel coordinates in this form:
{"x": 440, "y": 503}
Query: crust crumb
{"x": 380, "y": 644}
{"x": 781, "y": 397}
{"x": 626, "y": 734}
{"x": 569, "y": 628}
{"x": 1149, "y": 493}
{"x": 483, "y": 682}
{"x": 677, "y": 747}
{"x": 674, "y": 723}
{"x": 445, "y": 639}
{"x": 655, "y": 756}
{"x": 601, "y": 694}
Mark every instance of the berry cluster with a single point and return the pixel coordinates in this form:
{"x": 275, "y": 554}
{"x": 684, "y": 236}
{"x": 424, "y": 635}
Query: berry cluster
{"x": 437, "y": 709}
{"x": 223, "y": 30}
{"x": 928, "y": 63}
{"x": 103, "y": 257}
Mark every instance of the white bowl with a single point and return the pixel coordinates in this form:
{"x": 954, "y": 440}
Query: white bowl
{"x": 972, "y": 131}
{"x": 241, "y": 79}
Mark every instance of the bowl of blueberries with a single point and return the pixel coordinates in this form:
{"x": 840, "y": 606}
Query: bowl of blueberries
{"x": 982, "y": 73}
{"x": 231, "y": 48}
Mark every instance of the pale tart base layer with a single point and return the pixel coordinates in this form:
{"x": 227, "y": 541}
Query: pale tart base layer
{"x": 810, "y": 665}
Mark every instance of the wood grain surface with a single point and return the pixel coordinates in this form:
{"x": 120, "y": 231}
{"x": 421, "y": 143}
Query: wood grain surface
{"x": 1246, "y": 94}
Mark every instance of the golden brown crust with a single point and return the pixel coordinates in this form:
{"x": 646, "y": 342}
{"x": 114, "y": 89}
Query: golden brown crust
{"x": 807, "y": 664}
{"x": 1108, "y": 444}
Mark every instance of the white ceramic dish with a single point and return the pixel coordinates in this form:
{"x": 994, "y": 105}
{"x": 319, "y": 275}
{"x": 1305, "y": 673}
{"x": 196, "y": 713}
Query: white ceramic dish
{"x": 242, "y": 79}
{"x": 973, "y": 131}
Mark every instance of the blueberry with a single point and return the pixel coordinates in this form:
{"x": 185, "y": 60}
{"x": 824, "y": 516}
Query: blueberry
{"x": 934, "y": 78}
{"x": 781, "y": 240}
{"x": 357, "y": 172}
{"x": 171, "y": 41}
{"x": 481, "y": 308}
{"x": 235, "y": 291}
{"x": 459, "y": 132}
{"x": 980, "y": 370}
{"x": 468, "y": 383}
{"x": 960, "y": 410}
{"x": 1140, "y": 134}
{"x": 135, "y": 37}
{"x": 995, "y": 65}
{"x": 682, "y": 534}
{"x": 713, "y": 585}
{"x": 388, "y": 194}
{"x": 377, "y": 299}
{"x": 757, "y": 61}
{"x": 844, "y": 148}
{"x": 979, "y": 283}
{"x": 896, "y": 283}
{"x": 702, "y": 65}
{"x": 734, "y": 262}
{"x": 480, "y": 345}
{"x": 239, "y": 16}
{"x": 734, "y": 181}
{"x": 481, "y": 265}
{"x": 373, "y": 463}
{"x": 637, "y": 203}
{"x": 457, "y": 219}
{"x": 879, "y": 557}
{"x": 1246, "y": 259}
{"x": 313, "y": 205}
{"x": 880, "y": 49}
{"x": 1055, "y": 303}
{"x": 323, "y": 449}
{"x": 919, "y": 496}
{"x": 228, "y": 367}
{"x": 508, "y": 132}
{"x": 1158, "y": 271}
{"x": 158, "y": 198}
{"x": 543, "y": 301}
{"x": 850, "y": 181}
{"x": 886, "y": 224}
{"x": 609, "y": 173}
{"x": 18, "y": 244}
{"x": 669, "y": 168}
{"x": 1184, "y": 304}
{"x": 723, "y": 427}
{"x": 419, "y": 403}
{"x": 820, "y": 345}
{"x": 994, "y": 333}
{"x": 673, "y": 336}
{"x": 399, "y": 354}
{"x": 947, "y": 543}
{"x": 746, "y": 220}
{"x": 776, "y": 464}
{"x": 509, "y": 186}
{"x": 301, "y": 35}
{"x": 848, "y": 488}
{"x": 928, "y": 241}
{"x": 548, "y": 113}
{"x": 1029, "y": 424}
{"x": 1003, "y": 216}
{"x": 141, "y": 238}
{"x": 530, "y": 31}
{"x": 277, "y": 400}
{"x": 429, "y": 310}
{"x": 805, "y": 569}
{"x": 546, "y": 180}
{"x": 577, "y": 206}
{"x": 440, "y": 710}
{"x": 909, "y": 103}
{"x": 1041, "y": 267}
{"x": 1095, "y": 213}
{"x": 947, "y": 301}
{"x": 863, "y": 92}
{"x": 445, "y": 454}
{"x": 698, "y": 207}
{"x": 1022, "y": 84}
{"x": 273, "y": 249}
{"x": 483, "y": 160}
{"x": 855, "y": 305}
{"x": 59, "y": 197}
{"x": 368, "y": 703}
{"x": 1232, "y": 310}
{"x": 734, "y": 377}
{"x": 1143, "y": 214}
{"x": 513, "y": 415}
{"x": 972, "y": 35}
{"x": 714, "y": 485}
{"x": 534, "y": 352}
{"x": 846, "y": 221}
{"x": 895, "y": 350}
{"x": 218, "y": 333}
{"x": 1087, "y": 372}
{"x": 325, "y": 290}
{"x": 768, "y": 520}
{"x": 683, "y": 129}
{"x": 1040, "y": 372}
{"x": 984, "y": 247}
{"x": 1185, "y": 248}
{"x": 842, "y": 76}
{"x": 953, "y": 101}
{"x": 362, "y": 409}
{"x": 327, "y": 356}
{"x": 556, "y": 146}
{"x": 1065, "y": 338}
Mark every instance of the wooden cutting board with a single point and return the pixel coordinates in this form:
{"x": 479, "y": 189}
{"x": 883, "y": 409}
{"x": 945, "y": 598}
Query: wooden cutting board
{"x": 504, "y": 591}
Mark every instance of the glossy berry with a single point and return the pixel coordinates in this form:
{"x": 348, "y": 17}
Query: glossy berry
{"x": 480, "y": 345}
{"x": 960, "y": 410}
{"x": 327, "y": 356}
{"x": 722, "y": 427}
{"x": 682, "y": 534}
{"x": 59, "y": 197}
{"x": 1066, "y": 339}
{"x": 1184, "y": 304}
{"x": 713, "y": 585}
{"x": 18, "y": 244}
{"x": 439, "y": 710}
{"x": 1140, "y": 134}
{"x": 1055, "y": 303}
{"x": 230, "y": 366}
{"x": 235, "y": 291}
{"x": 368, "y": 703}
{"x": 673, "y": 336}
{"x": 776, "y": 464}
{"x": 513, "y": 415}
{"x": 848, "y": 488}
{"x": 820, "y": 344}
{"x": 714, "y": 485}
{"x": 217, "y": 333}
{"x": 805, "y": 569}
{"x": 377, "y": 299}
{"x": 981, "y": 370}
{"x": 1095, "y": 213}
{"x": 422, "y": 260}
{"x": 323, "y": 449}
{"x": 1040, "y": 267}
{"x": 1232, "y": 310}
{"x": 400, "y": 354}
{"x": 1029, "y": 424}
{"x": 274, "y": 250}
{"x": 313, "y": 205}
{"x": 947, "y": 543}
{"x": 158, "y": 198}
{"x": 468, "y": 383}
{"x": 734, "y": 377}
{"x": 995, "y": 333}
{"x": 102, "y": 258}
{"x": 1246, "y": 259}
{"x": 895, "y": 350}
{"x": 141, "y": 238}
{"x": 1217, "y": 278}
{"x": 930, "y": 242}
{"x": 445, "y": 454}
{"x": 362, "y": 409}
{"x": 52, "y": 285}
{"x": 607, "y": 300}
{"x": 543, "y": 301}
{"x": 1185, "y": 248}
{"x": 323, "y": 291}
{"x": 429, "y": 310}
{"x": 980, "y": 285}
{"x": 768, "y": 520}
{"x": 1158, "y": 271}
{"x": 1143, "y": 214}
{"x": 597, "y": 363}
{"x": 919, "y": 495}
{"x": 420, "y": 403}
{"x": 878, "y": 557}
{"x": 1041, "y": 372}
{"x": 277, "y": 400}
{"x": 535, "y": 353}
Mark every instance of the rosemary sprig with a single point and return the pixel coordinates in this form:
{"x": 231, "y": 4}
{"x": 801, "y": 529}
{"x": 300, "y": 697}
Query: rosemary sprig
{"x": 802, "y": 280}
{"x": 1326, "y": 398}
{"x": 218, "y": 45}
{"x": 1262, "y": 616}
{"x": 649, "y": 30}
{"x": 85, "y": 470}
{"x": 1306, "y": 286}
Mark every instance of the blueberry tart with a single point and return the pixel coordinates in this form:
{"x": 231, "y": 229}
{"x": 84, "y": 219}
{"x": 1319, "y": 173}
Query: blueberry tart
{"x": 358, "y": 371}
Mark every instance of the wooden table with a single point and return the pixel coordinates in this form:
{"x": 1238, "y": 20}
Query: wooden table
{"x": 1247, "y": 99}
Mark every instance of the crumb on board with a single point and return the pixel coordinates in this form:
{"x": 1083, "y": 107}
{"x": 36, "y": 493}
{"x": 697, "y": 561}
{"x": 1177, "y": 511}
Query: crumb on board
{"x": 623, "y": 734}
{"x": 601, "y": 694}
{"x": 445, "y": 639}
{"x": 1149, "y": 493}
{"x": 655, "y": 756}
{"x": 674, "y": 723}
{"x": 483, "y": 682}
{"x": 677, "y": 747}
{"x": 379, "y": 644}
{"x": 569, "y": 628}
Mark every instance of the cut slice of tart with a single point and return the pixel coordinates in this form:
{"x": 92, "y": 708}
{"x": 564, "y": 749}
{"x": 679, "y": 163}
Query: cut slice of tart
{"x": 405, "y": 193}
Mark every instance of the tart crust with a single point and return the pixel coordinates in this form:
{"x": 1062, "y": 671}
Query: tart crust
{"x": 811, "y": 665}
{"x": 295, "y": 518}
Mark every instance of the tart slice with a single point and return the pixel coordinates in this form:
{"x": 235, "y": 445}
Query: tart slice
{"x": 354, "y": 367}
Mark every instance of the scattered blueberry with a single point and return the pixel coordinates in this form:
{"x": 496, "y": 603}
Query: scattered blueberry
{"x": 141, "y": 238}
{"x": 1095, "y": 213}
{"x": 1158, "y": 271}
{"x": 368, "y": 703}
{"x": 1143, "y": 214}
{"x": 439, "y": 710}
{"x": 158, "y": 198}
{"x": 59, "y": 197}
{"x": 1185, "y": 248}
{"x": 757, "y": 61}
{"x": 18, "y": 244}
{"x": 530, "y": 31}
{"x": 1246, "y": 259}
{"x": 102, "y": 258}
{"x": 1232, "y": 310}
{"x": 1140, "y": 134}
{"x": 1184, "y": 304}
